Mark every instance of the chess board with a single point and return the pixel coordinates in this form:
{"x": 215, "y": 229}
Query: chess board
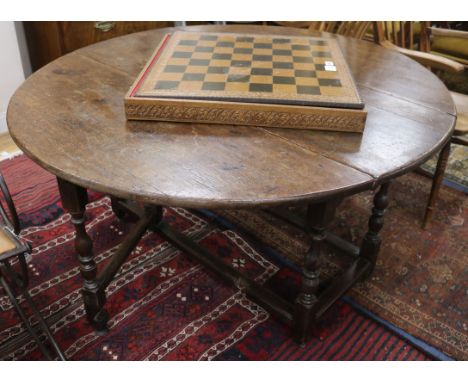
{"x": 264, "y": 80}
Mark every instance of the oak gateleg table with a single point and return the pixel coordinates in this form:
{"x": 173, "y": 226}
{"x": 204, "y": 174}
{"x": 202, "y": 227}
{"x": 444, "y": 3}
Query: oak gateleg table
{"x": 69, "y": 118}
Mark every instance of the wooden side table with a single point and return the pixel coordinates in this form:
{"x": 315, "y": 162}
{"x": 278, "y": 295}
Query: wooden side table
{"x": 69, "y": 118}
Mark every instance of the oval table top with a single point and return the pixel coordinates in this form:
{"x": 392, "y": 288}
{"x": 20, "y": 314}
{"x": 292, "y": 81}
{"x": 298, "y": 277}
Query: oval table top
{"x": 69, "y": 118}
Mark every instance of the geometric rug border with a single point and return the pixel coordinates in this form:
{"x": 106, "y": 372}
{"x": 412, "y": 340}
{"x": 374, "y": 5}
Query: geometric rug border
{"x": 415, "y": 341}
{"x": 457, "y": 186}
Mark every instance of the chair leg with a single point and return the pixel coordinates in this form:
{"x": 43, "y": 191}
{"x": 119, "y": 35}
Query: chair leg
{"x": 436, "y": 183}
{"x": 44, "y": 326}
{"x": 23, "y": 317}
{"x": 21, "y": 284}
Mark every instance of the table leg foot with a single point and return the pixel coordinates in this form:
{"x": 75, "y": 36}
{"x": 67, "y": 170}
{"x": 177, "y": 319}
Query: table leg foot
{"x": 96, "y": 314}
{"x": 305, "y": 301}
{"x": 371, "y": 243}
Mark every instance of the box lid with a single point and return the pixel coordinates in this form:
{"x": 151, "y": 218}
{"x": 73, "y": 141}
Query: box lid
{"x": 249, "y": 68}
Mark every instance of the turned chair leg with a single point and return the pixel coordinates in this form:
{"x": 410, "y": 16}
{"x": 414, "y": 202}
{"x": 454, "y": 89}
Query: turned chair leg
{"x": 436, "y": 183}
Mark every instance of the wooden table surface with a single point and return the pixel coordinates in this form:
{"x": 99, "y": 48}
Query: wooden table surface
{"x": 69, "y": 118}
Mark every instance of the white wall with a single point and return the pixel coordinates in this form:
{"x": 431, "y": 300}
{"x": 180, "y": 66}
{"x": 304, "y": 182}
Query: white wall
{"x": 11, "y": 67}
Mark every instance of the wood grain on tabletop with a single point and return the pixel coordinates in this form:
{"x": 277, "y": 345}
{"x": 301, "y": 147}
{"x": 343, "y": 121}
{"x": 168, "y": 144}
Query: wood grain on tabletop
{"x": 69, "y": 117}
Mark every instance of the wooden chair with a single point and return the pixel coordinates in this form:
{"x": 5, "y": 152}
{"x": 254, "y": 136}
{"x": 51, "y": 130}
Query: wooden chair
{"x": 356, "y": 29}
{"x": 319, "y": 26}
{"x": 14, "y": 272}
{"x": 399, "y": 36}
{"x": 449, "y": 43}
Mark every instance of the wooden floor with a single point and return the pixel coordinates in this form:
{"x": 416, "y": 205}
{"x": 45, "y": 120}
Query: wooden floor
{"x": 7, "y": 146}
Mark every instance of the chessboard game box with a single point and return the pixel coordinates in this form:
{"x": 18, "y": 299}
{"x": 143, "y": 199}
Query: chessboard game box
{"x": 300, "y": 82}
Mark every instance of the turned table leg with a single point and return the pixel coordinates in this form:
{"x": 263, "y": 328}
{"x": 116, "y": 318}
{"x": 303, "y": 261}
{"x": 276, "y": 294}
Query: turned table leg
{"x": 371, "y": 243}
{"x": 74, "y": 199}
{"x": 318, "y": 217}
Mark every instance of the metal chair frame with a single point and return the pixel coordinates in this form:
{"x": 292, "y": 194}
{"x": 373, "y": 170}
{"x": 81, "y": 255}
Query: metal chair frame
{"x": 19, "y": 278}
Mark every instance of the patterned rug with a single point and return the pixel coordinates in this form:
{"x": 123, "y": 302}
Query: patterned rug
{"x": 421, "y": 280}
{"x": 162, "y": 305}
{"x": 457, "y": 82}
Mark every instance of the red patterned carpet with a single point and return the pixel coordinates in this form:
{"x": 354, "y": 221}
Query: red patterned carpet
{"x": 162, "y": 305}
{"x": 420, "y": 282}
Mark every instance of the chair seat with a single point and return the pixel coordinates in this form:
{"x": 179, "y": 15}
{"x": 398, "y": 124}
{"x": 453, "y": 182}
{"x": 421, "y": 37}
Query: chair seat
{"x": 6, "y": 243}
{"x": 10, "y": 245}
{"x": 461, "y": 103}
